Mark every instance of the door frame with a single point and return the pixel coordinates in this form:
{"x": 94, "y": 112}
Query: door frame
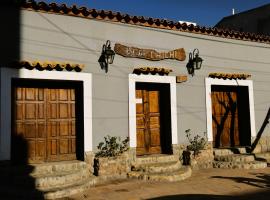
{"x": 52, "y": 84}
{"x": 133, "y": 78}
{"x": 7, "y": 74}
{"x": 212, "y": 81}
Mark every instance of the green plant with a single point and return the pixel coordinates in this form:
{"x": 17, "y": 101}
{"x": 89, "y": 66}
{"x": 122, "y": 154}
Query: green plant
{"x": 197, "y": 143}
{"x": 113, "y": 146}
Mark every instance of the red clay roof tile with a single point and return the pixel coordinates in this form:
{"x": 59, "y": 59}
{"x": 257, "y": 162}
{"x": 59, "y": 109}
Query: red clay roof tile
{"x": 229, "y": 76}
{"x": 141, "y": 21}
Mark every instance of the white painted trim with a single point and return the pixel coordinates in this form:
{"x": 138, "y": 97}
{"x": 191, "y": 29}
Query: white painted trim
{"x": 133, "y": 78}
{"x": 5, "y": 126}
{"x": 211, "y": 81}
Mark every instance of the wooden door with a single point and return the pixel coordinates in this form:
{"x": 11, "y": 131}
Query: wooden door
{"x": 225, "y": 118}
{"x": 29, "y": 137}
{"x": 61, "y": 138}
{"x": 148, "y": 122}
{"x": 44, "y": 125}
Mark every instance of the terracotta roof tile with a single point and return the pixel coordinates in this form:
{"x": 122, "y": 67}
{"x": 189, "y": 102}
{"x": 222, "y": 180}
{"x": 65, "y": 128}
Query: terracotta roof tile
{"x": 59, "y": 66}
{"x": 229, "y": 76}
{"x": 141, "y": 21}
{"x": 152, "y": 70}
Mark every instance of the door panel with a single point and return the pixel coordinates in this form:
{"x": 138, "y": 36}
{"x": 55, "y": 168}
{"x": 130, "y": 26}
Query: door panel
{"x": 225, "y": 118}
{"x": 29, "y": 121}
{"x": 61, "y": 121}
{"x": 45, "y": 124}
{"x": 153, "y": 97}
{"x": 148, "y": 122}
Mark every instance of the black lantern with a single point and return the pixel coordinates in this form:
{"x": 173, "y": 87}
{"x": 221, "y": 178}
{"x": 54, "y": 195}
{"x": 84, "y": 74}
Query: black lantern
{"x": 195, "y": 62}
{"x": 107, "y": 56}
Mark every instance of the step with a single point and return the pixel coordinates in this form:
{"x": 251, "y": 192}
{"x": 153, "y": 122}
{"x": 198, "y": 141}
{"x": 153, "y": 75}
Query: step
{"x": 70, "y": 190}
{"x": 263, "y": 156}
{"x": 229, "y": 151}
{"x": 179, "y": 175}
{"x": 238, "y": 165}
{"x": 55, "y": 167}
{"x": 240, "y": 150}
{"x": 160, "y": 158}
{"x": 245, "y": 158}
{"x": 62, "y": 179}
{"x": 222, "y": 152}
{"x": 51, "y": 180}
{"x": 44, "y": 168}
{"x": 55, "y": 193}
{"x": 158, "y": 167}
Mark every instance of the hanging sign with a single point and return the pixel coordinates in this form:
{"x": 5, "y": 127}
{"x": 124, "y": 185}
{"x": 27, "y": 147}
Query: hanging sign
{"x": 149, "y": 54}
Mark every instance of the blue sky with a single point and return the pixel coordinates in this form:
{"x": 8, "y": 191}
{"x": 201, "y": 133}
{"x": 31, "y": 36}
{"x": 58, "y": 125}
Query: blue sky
{"x": 203, "y": 12}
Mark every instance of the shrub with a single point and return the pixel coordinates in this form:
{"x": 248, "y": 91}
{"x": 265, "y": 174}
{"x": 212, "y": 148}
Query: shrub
{"x": 197, "y": 143}
{"x": 112, "y": 147}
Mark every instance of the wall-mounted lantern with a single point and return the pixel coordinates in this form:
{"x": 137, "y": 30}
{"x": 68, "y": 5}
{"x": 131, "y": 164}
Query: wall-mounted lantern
{"x": 107, "y": 56}
{"x": 194, "y": 62}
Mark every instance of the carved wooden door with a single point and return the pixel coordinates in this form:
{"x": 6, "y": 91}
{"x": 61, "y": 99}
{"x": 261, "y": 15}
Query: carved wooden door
{"x": 148, "y": 122}
{"x": 44, "y": 125}
{"x": 225, "y": 118}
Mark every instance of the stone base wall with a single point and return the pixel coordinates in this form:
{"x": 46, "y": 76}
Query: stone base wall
{"x": 201, "y": 161}
{"x": 204, "y": 160}
{"x": 263, "y": 145}
{"x": 89, "y": 159}
{"x": 114, "y": 167}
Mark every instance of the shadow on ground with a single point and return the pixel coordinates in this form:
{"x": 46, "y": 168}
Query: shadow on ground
{"x": 261, "y": 181}
{"x": 193, "y": 197}
{"x": 262, "y": 195}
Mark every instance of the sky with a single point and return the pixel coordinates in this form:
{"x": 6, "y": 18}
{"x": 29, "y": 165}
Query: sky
{"x": 203, "y": 12}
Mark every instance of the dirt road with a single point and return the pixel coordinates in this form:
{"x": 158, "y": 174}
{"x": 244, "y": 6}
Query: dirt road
{"x": 218, "y": 184}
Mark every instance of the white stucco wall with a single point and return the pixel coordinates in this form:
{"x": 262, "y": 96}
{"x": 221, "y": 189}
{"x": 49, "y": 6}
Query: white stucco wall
{"x": 74, "y": 39}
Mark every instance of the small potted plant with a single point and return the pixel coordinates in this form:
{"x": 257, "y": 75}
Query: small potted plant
{"x": 109, "y": 160}
{"x": 196, "y": 144}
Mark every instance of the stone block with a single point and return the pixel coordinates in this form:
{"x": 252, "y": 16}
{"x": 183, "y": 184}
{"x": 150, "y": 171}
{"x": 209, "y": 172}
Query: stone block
{"x": 112, "y": 166}
{"x": 203, "y": 160}
{"x": 194, "y": 164}
{"x": 268, "y": 144}
{"x": 89, "y": 159}
{"x": 264, "y": 148}
{"x": 258, "y": 149}
{"x": 263, "y": 141}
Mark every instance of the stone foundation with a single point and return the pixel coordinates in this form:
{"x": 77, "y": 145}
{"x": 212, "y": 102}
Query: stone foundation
{"x": 89, "y": 159}
{"x": 114, "y": 167}
{"x": 204, "y": 160}
{"x": 263, "y": 145}
{"x": 201, "y": 161}
{"x": 119, "y": 167}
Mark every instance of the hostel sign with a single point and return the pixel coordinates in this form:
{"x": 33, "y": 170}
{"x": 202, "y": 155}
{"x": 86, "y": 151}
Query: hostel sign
{"x": 149, "y": 54}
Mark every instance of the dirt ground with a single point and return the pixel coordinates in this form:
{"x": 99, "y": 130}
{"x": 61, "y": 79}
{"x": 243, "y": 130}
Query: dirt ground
{"x": 218, "y": 184}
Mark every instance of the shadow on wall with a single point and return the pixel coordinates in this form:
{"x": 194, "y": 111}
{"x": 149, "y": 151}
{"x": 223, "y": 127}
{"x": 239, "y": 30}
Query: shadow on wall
{"x": 15, "y": 179}
{"x": 10, "y": 31}
{"x": 231, "y": 121}
{"x": 229, "y": 108}
{"x": 259, "y": 135}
